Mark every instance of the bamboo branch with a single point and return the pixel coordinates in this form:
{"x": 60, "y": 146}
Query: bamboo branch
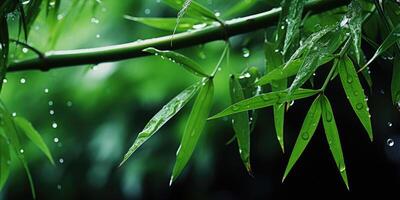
{"x": 68, "y": 58}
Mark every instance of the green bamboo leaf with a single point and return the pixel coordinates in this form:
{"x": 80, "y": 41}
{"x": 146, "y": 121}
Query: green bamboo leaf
{"x": 307, "y": 131}
{"x": 168, "y": 24}
{"x": 194, "y": 127}
{"x": 26, "y": 127}
{"x": 390, "y": 40}
{"x": 240, "y": 123}
{"x": 332, "y": 137}
{"x": 4, "y": 159}
{"x": 290, "y": 70}
{"x": 11, "y": 131}
{"x": 162, "y": 117}
{"x": 194, "y": 10}
{"x": 274, "y": 59}
{"x": 182, "y": 60}
{"x": 264, "y": 100}
{"x": 355, "y": 23}
{"x": 32, "y": 11}
{"x": 355, "y": 92}
{"x": 246, "y": 80}
{"x": 292, "y": 21}
{"x": 396, "y": 80}
{"x": 4, "y": 47}
{"x": 326, "y": 45}
{"x": 52, "y": 10}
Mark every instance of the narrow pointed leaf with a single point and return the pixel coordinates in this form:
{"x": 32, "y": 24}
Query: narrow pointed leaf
{"x": 290, "y": 70}
{"x": 162, "y": 117}
{"x": 246, "y": 80}
{"x": 264, "y": 100}
{"x": 4, "y": 47}
{"x": 239, "y": 7}
{"x": 355, "y": 92}
{"x": 189, "y": 64}
{"x": 274, "y": 59}
{"x": 168, "y": 24}
{"x": 396, "y": 80}
{"x": 332, "y": 137}
{"x": 293, "y": 20}
{"x": 11, "y": 131}
{"x": 390, "y": 40}
{"x": 240, "y": 123}
{"x": 307, "y": 131}
{"x": 4, "y": 159}
{"x": 26, "y": 127}
{"x": 194, "y": 127}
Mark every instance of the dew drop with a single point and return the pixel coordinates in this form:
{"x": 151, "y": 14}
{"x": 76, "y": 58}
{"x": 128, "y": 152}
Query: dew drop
{"x": 22, "y": 80}
{"x": 98, "y": 36}
{"x": 94, "y": 20}
{"x": 245, "y": 52}
{"x": 235, "y": 107}
{"x": 54, "y": 125}
{"x": 305, "y": 136}
{"x": 56, "y": 140}
{"x": 69, "y": 103}
{"x": 51, "y": 112}
{"x": 390, "y": 124}
{"x": 390, "y": 142}
{"x": 59, "y": 187}
{"x": 147, "y": 11}
{"x": 14, "y": 114}
{"x": 359, "y": 106}
{"x": 25, "y": 50}
{"x": 51, "y": 103}
{"x": 46, "y": 90}
{"x": 61, "y": 160}
{"x": 21, "y": 150}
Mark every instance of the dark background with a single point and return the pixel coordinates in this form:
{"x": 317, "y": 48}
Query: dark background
{"x": 111, "y": 103}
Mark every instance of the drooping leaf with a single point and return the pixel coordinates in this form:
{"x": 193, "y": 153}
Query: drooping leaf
{"x": 290, "y": 70}
{"x": 390, "y": 40}
{"x": 194, "y": 127}
{"x": 274, "y": 59}
{"x": 355, "y": 92}
{"x": 11, "y": 131}
{"x": 246, "y": 80}
{"x": 162, "y": 117}
{"x": 4, "y": 47}
{"x": 5, "y": 159}
{"x": 307, "y": 131}
{"x": 326, "y": 45}
{"x": 332, "y": 137}
{"x": 168, "y": 24}
{"x": 195, "y": 10}
{"x": 293, "y": 20}
{"x": 396, "y": 80}
{"x": 264, "y": 100}
{"x": 240, "y": 123}
{"x": 26, "y": 127}
{"x": 182, "y": 60}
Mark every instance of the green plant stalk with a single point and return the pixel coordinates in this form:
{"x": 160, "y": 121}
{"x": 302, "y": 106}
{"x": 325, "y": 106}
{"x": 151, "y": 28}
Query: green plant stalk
{"x": 66, "y": 58}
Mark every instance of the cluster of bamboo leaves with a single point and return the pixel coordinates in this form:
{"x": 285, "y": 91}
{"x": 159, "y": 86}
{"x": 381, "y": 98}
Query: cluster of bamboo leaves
{"x": 292, "y": 57}
{"x": 16, "y": 131}
{"x": 292, "y": 53}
